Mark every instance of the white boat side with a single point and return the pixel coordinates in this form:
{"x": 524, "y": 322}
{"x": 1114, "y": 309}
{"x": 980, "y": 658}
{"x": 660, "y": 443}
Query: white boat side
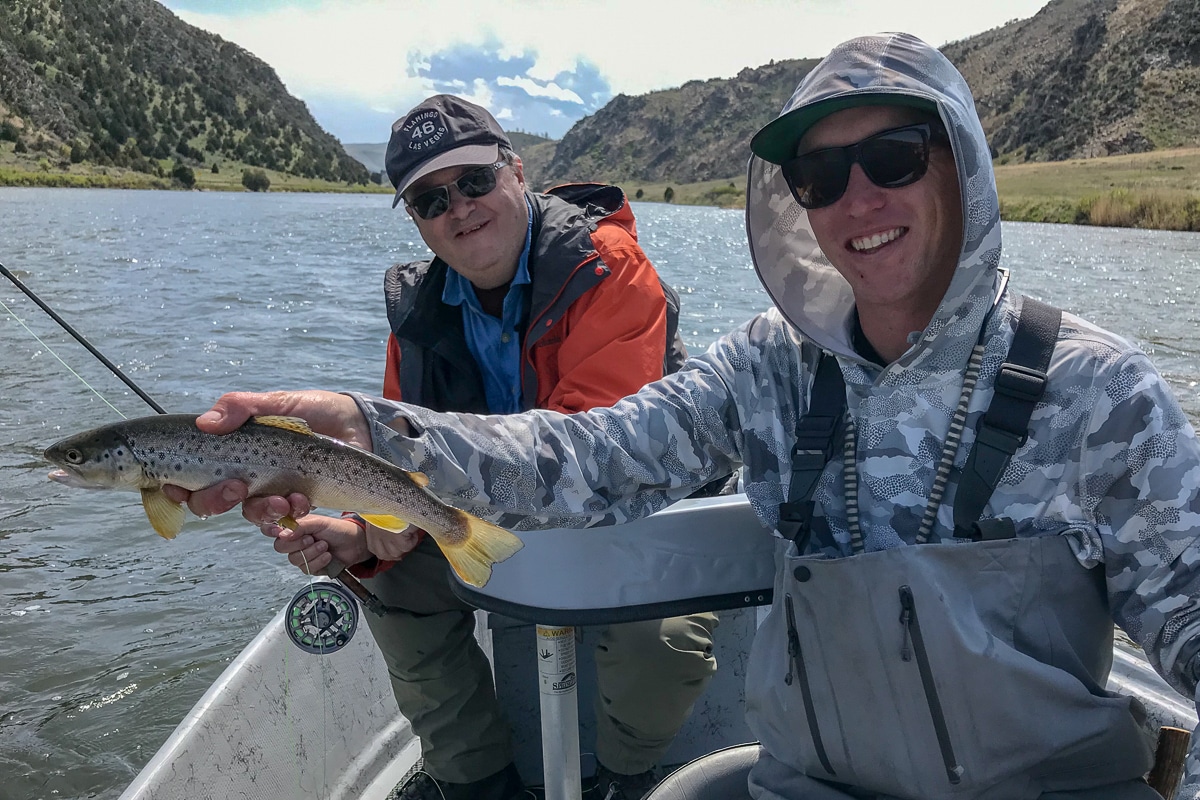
{"x": 282, "y": 723}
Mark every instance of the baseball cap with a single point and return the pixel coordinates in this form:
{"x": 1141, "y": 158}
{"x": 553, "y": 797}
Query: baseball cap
{"x": 777, "y": 140}
{"x": 443, "y": 131}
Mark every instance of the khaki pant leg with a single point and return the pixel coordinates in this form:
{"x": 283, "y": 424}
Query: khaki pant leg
{"x": 649, "y": 675}
{"x": 441, "y": 678}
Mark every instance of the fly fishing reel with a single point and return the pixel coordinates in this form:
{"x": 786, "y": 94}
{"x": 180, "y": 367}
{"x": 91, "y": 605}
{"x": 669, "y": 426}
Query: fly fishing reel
{"x": 322, "y": 617}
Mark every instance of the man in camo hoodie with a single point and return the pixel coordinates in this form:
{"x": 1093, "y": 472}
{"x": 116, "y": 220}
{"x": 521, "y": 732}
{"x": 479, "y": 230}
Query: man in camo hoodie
{"x": 897, "y": 660}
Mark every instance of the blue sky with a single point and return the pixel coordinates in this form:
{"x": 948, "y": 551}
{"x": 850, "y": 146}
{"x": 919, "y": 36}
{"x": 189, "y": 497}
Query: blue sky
{"x": 541, "y": 65}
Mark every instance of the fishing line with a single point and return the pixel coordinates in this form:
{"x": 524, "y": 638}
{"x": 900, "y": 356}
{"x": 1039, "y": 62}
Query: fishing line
{"x": 335, "y": 612}
{"x": 331, "y": 608}
{"x": 66, "y": 326}
{"x": 50, "y": 350}
{"x": 324, "y": 720}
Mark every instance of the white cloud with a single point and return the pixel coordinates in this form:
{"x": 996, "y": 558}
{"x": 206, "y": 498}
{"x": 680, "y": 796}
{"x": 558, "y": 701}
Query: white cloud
{"x": 533, "y": 89}
{"x": 360, "y": 49}
{"x": 479, "y": 94}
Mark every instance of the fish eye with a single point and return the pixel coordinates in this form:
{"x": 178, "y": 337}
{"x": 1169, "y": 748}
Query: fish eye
{"x": 73, "y": 456}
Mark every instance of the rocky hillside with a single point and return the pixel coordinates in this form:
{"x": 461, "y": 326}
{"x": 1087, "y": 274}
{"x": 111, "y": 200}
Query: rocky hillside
{"x": 1087, "y": 78}
{"x": 1081, "y": 78}
{"x": 694, "y": 133}
{"x": 126, "y": 83}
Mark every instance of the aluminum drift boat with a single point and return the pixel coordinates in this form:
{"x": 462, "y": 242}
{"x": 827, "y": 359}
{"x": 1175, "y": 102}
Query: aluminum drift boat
{"x": 283, "y": 723}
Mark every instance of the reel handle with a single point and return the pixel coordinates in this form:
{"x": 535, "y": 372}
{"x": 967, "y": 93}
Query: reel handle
{"x": 337, "y": 569}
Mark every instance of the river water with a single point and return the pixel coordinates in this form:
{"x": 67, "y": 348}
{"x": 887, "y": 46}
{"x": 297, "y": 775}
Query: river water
{"x": 109, "y": 634}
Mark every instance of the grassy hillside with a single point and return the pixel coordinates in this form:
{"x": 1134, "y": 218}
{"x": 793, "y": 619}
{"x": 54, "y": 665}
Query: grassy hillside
{"x": 126, "y": 86}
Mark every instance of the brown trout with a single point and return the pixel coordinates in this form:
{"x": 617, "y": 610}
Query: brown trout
{"x": 273, "y": 456}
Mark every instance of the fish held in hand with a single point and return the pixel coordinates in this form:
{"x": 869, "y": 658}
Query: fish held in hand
{"x": 273, "y": 456}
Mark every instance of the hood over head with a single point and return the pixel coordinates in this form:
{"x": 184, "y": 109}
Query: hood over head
{"x": 881, "y": 69}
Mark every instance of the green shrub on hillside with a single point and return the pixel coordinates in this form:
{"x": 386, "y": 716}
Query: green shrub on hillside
{"x": 184, "y": 174}
{"x": 255, "y": 180}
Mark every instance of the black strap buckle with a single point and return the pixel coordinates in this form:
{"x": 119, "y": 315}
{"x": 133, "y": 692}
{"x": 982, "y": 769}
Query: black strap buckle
{"x": 1020, "y": 383}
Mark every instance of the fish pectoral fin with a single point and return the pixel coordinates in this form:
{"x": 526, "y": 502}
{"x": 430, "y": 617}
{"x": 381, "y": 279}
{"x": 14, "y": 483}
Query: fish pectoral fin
{"x": 164, "y": 514}
{"x": 484, "y": 545}
{"x": 419, "y": 478}
{"x": 386, "y": 521}
{"x": 294, "y": 424}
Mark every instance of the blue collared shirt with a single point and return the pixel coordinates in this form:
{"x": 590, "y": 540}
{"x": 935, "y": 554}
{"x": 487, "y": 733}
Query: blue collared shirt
{"x": 496, "y": 343}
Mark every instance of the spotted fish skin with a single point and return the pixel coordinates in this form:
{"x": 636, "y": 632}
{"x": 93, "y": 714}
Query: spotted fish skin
{"x": 273, "y": 456}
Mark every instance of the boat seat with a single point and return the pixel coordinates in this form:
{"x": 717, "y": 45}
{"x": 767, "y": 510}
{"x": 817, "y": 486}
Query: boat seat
{"x": 707, "y": 554}
{"x": 717, "y": 776}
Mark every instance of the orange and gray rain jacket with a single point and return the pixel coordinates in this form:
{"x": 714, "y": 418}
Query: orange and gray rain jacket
{"x": 601, "y": 323}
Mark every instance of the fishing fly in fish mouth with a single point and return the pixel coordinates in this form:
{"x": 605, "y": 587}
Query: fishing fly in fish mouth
{"x": 273, "y": 455}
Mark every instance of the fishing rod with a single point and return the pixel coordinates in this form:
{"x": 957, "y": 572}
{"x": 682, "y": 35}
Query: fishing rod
{"x": 66, "y": 326}
{"x": 329, "y": 619}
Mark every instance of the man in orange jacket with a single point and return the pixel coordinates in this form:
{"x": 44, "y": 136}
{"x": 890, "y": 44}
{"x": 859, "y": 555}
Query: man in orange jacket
{"x": 533, "y": 300}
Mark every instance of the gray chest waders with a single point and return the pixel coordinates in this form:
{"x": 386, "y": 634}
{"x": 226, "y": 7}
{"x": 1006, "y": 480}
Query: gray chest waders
{"x": 1003, "y": 428}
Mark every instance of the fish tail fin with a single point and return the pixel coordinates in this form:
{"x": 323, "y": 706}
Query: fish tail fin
{"x": 484, "y": 545}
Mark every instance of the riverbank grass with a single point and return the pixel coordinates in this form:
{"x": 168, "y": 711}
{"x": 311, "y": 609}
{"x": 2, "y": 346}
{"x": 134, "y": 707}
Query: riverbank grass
{"x": 54, "y": 170}
{"x": 1158, "y": 190}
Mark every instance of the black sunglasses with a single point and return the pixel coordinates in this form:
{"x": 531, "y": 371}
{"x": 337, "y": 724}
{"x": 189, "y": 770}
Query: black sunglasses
{"x": 890, "y": 159}
{"x": 432, "y": 203}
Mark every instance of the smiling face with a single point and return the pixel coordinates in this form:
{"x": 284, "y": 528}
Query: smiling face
{"x": 897, "y": 248}
{"x": 481, "y": 237}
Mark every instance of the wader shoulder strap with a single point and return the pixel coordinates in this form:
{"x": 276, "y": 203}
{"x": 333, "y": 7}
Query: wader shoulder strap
{"x": 1004, "y": 427}
{"x": 816, "y": 436}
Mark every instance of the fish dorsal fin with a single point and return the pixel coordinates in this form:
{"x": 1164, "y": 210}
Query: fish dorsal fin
{"x": 164, "y": 514}
{"x": 294, "y": 424}
{"x": 419, "y": 478}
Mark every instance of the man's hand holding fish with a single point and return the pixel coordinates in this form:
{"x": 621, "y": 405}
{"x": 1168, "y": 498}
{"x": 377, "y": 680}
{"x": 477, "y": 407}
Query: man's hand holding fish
{"x": 282, "y": 453}
{"x": 329, "y": 413}
{"x": 317, "y": 540}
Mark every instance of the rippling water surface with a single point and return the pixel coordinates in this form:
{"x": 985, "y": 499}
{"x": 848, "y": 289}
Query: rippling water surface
{"x": 109, "y": 634}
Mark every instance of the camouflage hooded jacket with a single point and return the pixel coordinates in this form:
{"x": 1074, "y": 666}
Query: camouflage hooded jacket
{"x": 1110, "y": 456}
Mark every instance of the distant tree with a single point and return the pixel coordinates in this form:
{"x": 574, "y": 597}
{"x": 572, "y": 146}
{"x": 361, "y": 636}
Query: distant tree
{"x": 20, "y": 147}
{"x": 216, "y": 170}
{"x": 184, "y": 174}
{"x": 669, "y": 194}
{"x": 255, "y": 180}
{"x": 9, "y": 132}
{"x": 638, "y": 195}
{"x": 377, "y": 178}
{"x": 77, "y": 153}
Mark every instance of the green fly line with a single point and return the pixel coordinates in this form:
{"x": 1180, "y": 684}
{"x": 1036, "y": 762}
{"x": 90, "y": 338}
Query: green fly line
{"x": 50, "y": 350}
